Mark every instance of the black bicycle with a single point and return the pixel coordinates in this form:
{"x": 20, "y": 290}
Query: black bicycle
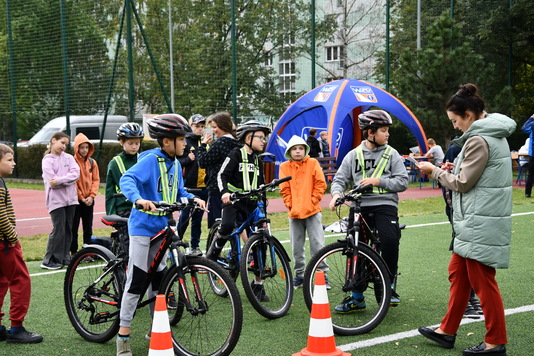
{"x": 263, "y": 258}
{"x": 354, "y": 264}
{"x": 202, "y": 322}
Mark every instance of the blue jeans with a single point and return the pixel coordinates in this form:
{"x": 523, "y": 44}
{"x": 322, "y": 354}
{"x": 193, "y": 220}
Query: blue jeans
{"x": 196, "y": 221}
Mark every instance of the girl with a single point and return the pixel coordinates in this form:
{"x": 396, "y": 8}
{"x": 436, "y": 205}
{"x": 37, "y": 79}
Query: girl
{"x": 60, "y": 173}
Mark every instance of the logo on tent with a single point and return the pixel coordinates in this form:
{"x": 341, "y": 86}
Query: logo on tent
{"x": 325, "y": 93}
{"x": 364, "y": 94}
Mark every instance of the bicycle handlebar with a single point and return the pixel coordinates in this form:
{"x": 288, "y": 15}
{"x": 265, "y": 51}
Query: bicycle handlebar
{"x": 354, "y": 194}
{"x": 260, "y": 190}
{"x": 165, "y": 208}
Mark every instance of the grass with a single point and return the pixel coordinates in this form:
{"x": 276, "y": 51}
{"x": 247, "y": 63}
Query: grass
{"x": 423, "y": 287}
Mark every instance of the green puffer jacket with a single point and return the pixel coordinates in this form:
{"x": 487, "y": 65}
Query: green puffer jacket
{"x": 482, "y": 216}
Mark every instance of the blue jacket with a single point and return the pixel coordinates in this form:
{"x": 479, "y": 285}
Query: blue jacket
{"x": 528, "y": 128}
{"x": 142, "y": 181}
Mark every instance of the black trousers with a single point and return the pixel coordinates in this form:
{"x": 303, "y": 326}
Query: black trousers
{"x": 85, "y": 214}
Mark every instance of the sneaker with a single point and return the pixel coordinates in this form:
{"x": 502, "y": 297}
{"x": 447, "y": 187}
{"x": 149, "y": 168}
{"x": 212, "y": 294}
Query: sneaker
{"x": 395, "y": 299}
{"x": 3, "y": 333}
{"x": 476, "y": 305}
{"x": 195, "y": 252}
{"x": 259, "y": 292}
{"x": 23, "y": 337}
{"x": 172, "y": 304}
{"x": 350, "y": 305}
{"x": 328, "y": 286}
{"x": 470, "y": 312}
{"x": 51, "y": 265}
{"x": 123, "y": 347}
{"x": 298, "y": 281}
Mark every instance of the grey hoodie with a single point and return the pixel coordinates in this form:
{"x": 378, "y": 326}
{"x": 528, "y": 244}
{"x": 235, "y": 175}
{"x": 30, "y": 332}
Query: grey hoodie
{"x": 394, "y": 179}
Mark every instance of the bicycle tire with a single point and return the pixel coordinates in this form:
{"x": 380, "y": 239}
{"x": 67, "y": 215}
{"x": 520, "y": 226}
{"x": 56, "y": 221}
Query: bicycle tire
{"x": 214, "y": 331}
{"x": 371, "y": 268}
{"x": 93, "y": 310}
{"x": 212, "y": 233}
{"x": 278, "y": 287}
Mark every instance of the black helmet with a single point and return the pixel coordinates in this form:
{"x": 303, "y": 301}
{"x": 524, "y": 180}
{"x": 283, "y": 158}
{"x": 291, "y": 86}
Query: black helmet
{"x": 167, "y": 125}
{"x": 130, "y": 130}
{"x": 196, "y": 119}
{"x": 251, "y": 126}
{"x": 374, "y": 118}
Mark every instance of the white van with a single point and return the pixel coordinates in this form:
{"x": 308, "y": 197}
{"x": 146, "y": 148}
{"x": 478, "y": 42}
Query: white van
{"x": 91, "y": 126}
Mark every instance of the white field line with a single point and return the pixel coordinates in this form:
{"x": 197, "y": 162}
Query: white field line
{"x": 412, "y": 333}
{"x": 392, "y": 337}
{"x": 48, "y": 217}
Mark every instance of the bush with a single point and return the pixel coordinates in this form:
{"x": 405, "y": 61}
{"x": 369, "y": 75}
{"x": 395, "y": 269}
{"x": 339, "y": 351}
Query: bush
{"x": 29, "y": 158}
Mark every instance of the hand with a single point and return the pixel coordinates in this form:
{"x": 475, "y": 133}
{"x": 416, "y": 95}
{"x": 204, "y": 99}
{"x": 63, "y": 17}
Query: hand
{"x": 207, "y": 138}
{"x": 426, "y": 167}
{"x": 448, "y": 166}
{"x": 53, "y": 182}
{"x": 332, "y": 204}
{"x": 374, "y": 181}
{"x": 191, "y": 156}
{"x": 226, "y": 198}
{"x": 201, "y": 203}
{"x": 146, "y": 205}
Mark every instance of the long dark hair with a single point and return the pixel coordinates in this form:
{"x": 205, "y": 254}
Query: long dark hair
{"x": 223, "y": 121}
{"x": 466, "y": 98}
{"x": 57, "y": 136}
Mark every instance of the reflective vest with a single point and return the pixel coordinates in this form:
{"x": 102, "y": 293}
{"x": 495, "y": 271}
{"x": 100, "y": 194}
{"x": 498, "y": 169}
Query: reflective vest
{"x": 247, "y": 185}
{"x": 122, "y": 169}
{"x": 166, "y": 194}
{"x": 377, "y": 173}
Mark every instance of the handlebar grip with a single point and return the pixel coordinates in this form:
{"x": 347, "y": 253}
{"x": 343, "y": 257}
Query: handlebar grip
{"x": 364, "y": 188}
{"x": 279, "y": 181}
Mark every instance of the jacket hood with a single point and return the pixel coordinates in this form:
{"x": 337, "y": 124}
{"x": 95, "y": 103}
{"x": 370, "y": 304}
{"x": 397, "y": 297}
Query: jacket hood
{"x": 493, "y": 125}
{"x": 296, "y": 140}
{"x": 78, "y": 140}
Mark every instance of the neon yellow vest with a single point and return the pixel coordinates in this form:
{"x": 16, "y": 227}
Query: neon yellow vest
{"x": 377, "y": 173}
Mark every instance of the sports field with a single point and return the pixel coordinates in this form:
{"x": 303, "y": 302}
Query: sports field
{"x": 423, "y": 288}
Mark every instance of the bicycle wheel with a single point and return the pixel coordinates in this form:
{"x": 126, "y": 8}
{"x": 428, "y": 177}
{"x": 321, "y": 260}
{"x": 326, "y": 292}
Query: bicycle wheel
{"x": 373, "y": 278}
{"x": 212, "y": 233}
{"x": 212, "y": 324}
{"x": 92, "y": 296}
{"x": 273, "y": 298}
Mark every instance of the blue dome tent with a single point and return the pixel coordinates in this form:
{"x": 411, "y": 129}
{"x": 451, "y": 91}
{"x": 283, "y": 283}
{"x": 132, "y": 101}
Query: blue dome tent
{"x": 334, "y": 107}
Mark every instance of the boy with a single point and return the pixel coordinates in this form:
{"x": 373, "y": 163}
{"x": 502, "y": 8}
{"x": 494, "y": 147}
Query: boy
{"x": 13, "y": 271}
{"x": 130, "y": 136}
{"x": 302, "y": 196}
{"x": 241, "y": 171}
{"x": 435, "y": 152}
{"x": 313, "y": 144}
{"x": 142, "y": 184}
{"x": 374, "y": 162}
{"x": 86, "y": 188}
{"x": 193, "y": 178}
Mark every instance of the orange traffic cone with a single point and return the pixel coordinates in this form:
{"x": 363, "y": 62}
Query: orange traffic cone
{"x": 160, "y": 337}
{"x": 321, "y": 333}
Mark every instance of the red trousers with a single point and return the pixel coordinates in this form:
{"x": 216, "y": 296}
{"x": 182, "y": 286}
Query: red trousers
{"x": 465, "y": 274}
{"x": 15, "y": 277}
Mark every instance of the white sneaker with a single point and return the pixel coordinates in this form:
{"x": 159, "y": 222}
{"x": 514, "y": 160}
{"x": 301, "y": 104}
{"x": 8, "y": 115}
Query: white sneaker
{"x": 123, "y": 347}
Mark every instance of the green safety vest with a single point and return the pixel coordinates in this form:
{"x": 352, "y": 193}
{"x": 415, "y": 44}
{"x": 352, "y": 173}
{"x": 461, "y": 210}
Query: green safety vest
{"x": 247, "y": 186}
{"x": 122, "y": 169}
{"x": 165, "y": 192}
{"x": 377, "y": 173}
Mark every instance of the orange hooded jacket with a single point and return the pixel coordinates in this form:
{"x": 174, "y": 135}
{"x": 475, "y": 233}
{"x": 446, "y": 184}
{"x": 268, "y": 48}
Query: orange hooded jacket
{"x": 87, "y": 185}
{"x": 303, "y": 193}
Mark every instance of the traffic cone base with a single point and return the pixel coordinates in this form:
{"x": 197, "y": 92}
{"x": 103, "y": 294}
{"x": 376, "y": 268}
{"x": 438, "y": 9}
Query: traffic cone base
{"x": 160, "y": 337}
{"x": 321, "y": 341}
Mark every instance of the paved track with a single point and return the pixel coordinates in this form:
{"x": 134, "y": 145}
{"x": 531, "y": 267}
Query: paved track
{"x": 33, "y": 218}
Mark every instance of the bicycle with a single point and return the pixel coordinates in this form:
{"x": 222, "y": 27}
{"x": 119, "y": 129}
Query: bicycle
{"x": 354, "y": 264}
{"x": 203, "y": 323}
{"x": 266, "y": 258}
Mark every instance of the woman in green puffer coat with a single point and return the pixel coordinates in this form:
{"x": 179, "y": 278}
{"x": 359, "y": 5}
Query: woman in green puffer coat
{"x": 481, "y": 183}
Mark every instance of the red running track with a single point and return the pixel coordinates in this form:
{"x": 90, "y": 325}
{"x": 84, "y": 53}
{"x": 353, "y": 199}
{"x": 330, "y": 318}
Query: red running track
{"x": 33, "y": 218}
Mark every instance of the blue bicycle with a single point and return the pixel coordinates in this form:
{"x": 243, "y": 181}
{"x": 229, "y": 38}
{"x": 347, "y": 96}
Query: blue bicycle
{"x": 263, "y": 263}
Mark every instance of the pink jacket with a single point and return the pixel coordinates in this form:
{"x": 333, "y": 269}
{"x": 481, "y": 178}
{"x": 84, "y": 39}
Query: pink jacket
{"x": 66, "y": 171}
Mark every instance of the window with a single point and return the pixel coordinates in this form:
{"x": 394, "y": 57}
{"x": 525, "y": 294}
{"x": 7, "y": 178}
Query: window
{"x": 92, "y": 133}
{"x": 286, "y": 72}
{"x": 334, "y": 53}
{"x": 268, "y": 56}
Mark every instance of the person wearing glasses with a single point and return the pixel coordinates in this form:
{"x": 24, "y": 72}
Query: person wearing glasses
{"x": 241, "y": 171}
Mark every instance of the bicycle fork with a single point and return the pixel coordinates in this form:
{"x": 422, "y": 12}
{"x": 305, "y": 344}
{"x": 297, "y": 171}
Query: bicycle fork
{"x": 202, "y": 305}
